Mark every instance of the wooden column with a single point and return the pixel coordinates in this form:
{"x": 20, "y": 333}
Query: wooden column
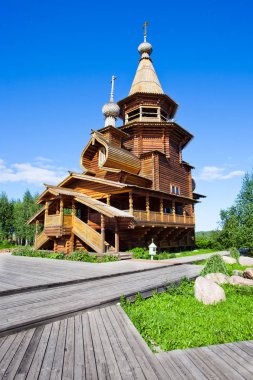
{"x": 46, "y": 213}
{"x": 116, "y": 235}
{"x": 36, "y": 233}
{"x": 174, "y": 211}
{"x": 147, "y": 207}
{"x": 161, "y": 208}
{"x": 193, "y": 214}
{"x": 73, "y": 211}
{"x": 131, "y": 203}
{"x": 102, "y": 233}
{"x": 72, "y": 236}
{"x": 108, "y": 199}
{"x": 61, "y": 211}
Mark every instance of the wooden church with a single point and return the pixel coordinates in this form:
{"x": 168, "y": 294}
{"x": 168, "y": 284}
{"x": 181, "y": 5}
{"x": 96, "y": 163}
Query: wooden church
{"x": 134, "y": 185}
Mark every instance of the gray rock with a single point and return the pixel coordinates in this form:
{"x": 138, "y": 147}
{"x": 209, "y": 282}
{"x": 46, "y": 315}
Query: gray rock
{"x": 208, "y": 292}
{"x": 248, "y": 273}
{"x": 246, "y": 261}
{"x": 237, "y": 280}
{"x": 218, "y": 278}
{"x": 229, "y": 260}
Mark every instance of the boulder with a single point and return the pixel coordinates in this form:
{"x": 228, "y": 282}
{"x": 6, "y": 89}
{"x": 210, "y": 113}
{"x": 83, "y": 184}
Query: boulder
{"x": 229, "y": 260}
{"x": 218, "y": 278}
{"x": 248, "y": 273}
{"x": 208, "y": 292}
{"x": 246, "y": 261}
{"x": 237, "y": 280}
{"x": 237, "y": 272}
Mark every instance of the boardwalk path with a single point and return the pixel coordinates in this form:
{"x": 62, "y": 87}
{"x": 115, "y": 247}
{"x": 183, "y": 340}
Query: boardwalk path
{"x": 20, "y": 310}
{"x": 18, "y": 274}
{"x": 103, "y": 344}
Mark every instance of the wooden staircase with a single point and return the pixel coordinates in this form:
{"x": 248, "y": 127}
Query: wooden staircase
{"x": 89, "y": 236}
{"x": 41, "y": 239}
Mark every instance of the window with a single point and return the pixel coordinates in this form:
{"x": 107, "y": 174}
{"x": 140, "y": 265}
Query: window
{"x": 101, "y": 156}
{"x": 149, "y": 112}
{"x": 175, "y": 189}
{"x": 135, "y": 114}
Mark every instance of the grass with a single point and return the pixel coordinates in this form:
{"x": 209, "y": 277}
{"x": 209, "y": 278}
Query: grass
{"x": 176, "y": 320}
{"x": 6, "y": 245}
{"x": 230, "y": 267}
{"x": 75, "y": 256}
{"x": 142, "y": 253}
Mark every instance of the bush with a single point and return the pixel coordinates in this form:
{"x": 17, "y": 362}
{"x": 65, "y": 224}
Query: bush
{"x": 234, "y": 253}
{"x": 215, "y": 264}
{"x": 140, "y": 253}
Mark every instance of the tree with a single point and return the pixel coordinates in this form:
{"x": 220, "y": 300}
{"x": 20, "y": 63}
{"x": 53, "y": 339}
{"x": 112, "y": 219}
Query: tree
{"x": 237, "y": 221}
{"x": 6, "y": 217}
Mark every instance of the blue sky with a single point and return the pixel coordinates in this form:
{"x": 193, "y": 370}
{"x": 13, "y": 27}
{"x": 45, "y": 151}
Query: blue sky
{"x": 57, "y": 58}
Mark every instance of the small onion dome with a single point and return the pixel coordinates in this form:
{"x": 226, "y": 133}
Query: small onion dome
{"x": 145, "y": 48}
{"x": 111, "y": 109}
{"x": 193, "y": 184}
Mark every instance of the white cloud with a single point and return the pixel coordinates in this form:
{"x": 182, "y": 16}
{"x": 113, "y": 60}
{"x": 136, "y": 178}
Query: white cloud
{"x": 212, "y": 173}
{"x": 32, "y": 173}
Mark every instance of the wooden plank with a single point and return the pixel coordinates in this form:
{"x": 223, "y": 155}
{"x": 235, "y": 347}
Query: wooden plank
{"x": 218, "y": 362}
{"x": 173, "y": 372}
{"x": 101, "y": 363}
{"x": 50, "y": 352}
{"x": 56, "y": 371}
{"x": 144, "y": 356}
{"x": 185, "y": 366}
{"x": 26, "y": 361}
{"x": 107, "y": 348}
{"x": 38, "y": 349}
{"x": 68, "y": 365}
{"x": 79, "y": 364}
{"x": 127, "y": 363}
{"x": 18, "y": 355}
{"x": 10, "y": 353}
{"x": 234, "y": 360}
{"x": 90, "y": 361}
{"x": 202, "y": 363}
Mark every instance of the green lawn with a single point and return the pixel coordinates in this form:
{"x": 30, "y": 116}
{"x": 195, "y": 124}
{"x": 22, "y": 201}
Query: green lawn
{"x": 176, "y": 320}
{"x": 75, "y": 256}
{"x": 142, "y": 253}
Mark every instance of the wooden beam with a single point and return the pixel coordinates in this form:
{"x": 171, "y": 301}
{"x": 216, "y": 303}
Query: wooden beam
{"x": 116, "y": 235}
{"x": 102, "y": 233}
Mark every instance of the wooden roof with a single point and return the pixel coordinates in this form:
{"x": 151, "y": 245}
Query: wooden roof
{"x": 145, "y": 79}
{"x": 36, "y": 215}
{"x": 116, "y": 158}
{"x": 93, "y": 203}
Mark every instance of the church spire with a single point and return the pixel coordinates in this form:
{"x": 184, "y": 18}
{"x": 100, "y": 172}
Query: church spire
{"x": 145, "y": 79}
{"x": 111, "y": 109}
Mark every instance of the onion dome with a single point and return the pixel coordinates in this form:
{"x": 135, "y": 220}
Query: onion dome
{"x": 145, "y": 49}
{"x": 111, "y": 109}
{"x": 193, "y": 184}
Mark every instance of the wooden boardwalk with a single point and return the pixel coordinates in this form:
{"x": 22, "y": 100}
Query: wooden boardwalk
{"x": 18, "y": 311}
{"x": 104, "y": 344}
{"x": 19, "y": 273}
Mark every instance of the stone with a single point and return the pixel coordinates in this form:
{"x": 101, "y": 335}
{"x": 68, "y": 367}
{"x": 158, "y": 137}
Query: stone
{"x": 229, "y": 260}
{"x": 218, "y": 278}
{"x": 237, "y": 280}
{"x": 208, "y": 292}
{"x": 248, "y": 273}
{"x": 237, "y": 272}
{"x": 246, "y": 261}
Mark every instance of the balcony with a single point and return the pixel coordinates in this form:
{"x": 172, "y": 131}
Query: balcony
{"x": 58, "y": 225}
{"x": 158, "y": 217}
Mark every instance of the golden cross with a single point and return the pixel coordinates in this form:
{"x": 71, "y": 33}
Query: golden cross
{"x": 146, "y": 23}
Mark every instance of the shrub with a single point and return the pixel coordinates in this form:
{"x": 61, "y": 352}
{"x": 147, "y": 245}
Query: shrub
{"x": 234, "y": 253}
{"x": 215, "y": 264}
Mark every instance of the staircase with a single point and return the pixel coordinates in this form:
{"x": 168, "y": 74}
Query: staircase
{"x": 41, "y": 239}
{"x": 89, "y": 236}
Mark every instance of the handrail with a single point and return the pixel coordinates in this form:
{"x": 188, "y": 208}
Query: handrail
{"x": 156, "y": 216}
{"x": 87, "y": 234}
{"x": 40, "y": 240}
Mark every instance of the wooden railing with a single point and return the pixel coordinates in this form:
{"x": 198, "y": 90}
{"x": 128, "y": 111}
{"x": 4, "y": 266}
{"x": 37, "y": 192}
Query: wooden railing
{"x": 40, "y": 240}
{"x": 87, "y": 234}
{"x": 153, "y": 216}
{"x": 67, "y": 220}
{"x": 53, "y": 220}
